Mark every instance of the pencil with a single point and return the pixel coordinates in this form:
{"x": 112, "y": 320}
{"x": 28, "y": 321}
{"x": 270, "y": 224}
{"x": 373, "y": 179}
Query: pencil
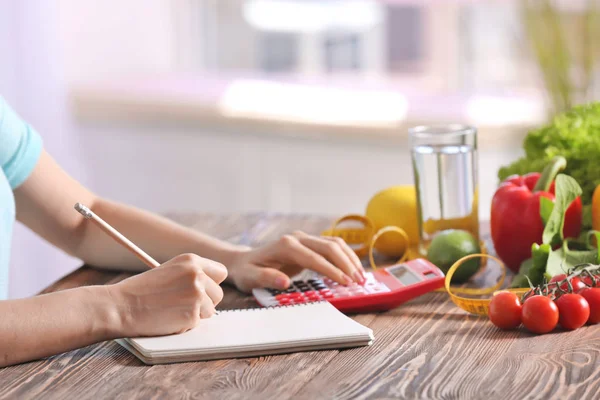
{"x": 117, "y": 236}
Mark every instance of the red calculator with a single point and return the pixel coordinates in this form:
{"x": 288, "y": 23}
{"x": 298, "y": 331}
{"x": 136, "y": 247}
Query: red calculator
{"x": 384, "y": 289}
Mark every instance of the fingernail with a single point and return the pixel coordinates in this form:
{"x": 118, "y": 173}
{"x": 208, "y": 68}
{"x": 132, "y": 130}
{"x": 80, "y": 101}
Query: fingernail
{"x": 362, "y": 273}
{"x": 281, "y": 282}
{"x": 358, "y": 277}
{"x": 347, "y": 280}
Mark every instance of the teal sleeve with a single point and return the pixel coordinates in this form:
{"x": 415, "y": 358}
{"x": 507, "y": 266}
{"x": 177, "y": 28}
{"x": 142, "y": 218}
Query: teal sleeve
{"x": 20, "y": 146}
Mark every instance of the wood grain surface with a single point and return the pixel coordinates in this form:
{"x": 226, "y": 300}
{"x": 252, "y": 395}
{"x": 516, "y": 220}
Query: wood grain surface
{"x": 424, "y": 349}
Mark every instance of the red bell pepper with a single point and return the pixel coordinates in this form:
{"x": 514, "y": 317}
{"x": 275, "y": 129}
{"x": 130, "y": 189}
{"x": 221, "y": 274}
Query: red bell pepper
{"x": 516, "y": 222}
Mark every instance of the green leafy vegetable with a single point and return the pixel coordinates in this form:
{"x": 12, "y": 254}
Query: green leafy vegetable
{"x": 533, "y": 268}
{"x": 546, "y": 206}
{"x": 520, "y": 279}
{"x": 586, "y": 216}
{"x": 567, "y": 190}
{"x": 575, "y": 135}
{"x": 562, "y": 260}
{"x": 546, "y": 262}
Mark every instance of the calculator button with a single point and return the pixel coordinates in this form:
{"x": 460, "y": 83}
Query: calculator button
{"x": 309, "y": 292}
{"x": 282, "y": 296}
{"x": 284, "y": 302}
{"x": 313, "y": 297}
{"x": 328, "y": 295}
{"x": 298, "y": 300}
{"x": 298, "y": 282}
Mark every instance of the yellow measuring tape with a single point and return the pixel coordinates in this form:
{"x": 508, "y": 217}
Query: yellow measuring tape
{"x": 363, "y": 240}
{"x": 476, "y": 306}
{"x": 359, "y": 237}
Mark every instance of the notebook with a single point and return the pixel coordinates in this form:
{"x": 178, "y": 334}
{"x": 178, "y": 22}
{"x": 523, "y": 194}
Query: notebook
{"x": 255, "y": 332}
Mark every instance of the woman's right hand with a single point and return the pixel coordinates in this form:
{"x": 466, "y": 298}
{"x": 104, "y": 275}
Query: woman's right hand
{"x": 169, "y": 299}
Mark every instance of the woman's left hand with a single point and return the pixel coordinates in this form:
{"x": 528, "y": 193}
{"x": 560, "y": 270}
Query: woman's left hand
{"x": 272, "y": 265}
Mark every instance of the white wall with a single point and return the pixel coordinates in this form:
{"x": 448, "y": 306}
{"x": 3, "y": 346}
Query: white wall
{"x": 215, "y": 169}
{"x": 114, "y": 38}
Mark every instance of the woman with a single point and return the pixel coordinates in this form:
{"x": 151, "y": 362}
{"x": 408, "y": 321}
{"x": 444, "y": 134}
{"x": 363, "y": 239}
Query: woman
{"x": 172, "y": 298}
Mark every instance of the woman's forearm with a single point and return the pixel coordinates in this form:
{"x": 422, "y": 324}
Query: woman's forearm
{"x": 53, "y": 323}
{"x": 160, "y": 237}
{"x": 45, "y": 204}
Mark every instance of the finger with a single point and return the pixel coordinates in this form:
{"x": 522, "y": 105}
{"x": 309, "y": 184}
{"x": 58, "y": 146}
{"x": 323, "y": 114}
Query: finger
{"x": 348, "y": 250}
{"x": 214, "y": 291}
{"x": 265, "y": 278}
{"x": 215, "y": 270}
{"x": 334, "y": 253}
{"x": 207, "y": 308}
{"x": 306, "y": 258}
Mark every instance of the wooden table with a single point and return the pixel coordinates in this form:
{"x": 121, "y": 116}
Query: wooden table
{"x": 426, "y": 349}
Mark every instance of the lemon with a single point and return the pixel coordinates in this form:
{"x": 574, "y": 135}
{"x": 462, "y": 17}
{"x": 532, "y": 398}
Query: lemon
{"x": 394, "y": 206}
{"x": 451, "y": 245}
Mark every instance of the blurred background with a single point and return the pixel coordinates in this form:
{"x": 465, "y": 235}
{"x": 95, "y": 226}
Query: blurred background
{"x": 292, "y": 106}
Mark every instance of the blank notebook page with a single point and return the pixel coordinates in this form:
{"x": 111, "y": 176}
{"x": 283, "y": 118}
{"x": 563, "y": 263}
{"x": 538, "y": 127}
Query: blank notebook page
{"x": 241, "y": 330}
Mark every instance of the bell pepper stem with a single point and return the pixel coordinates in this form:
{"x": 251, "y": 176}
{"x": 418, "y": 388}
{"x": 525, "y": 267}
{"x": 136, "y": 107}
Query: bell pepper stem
{"x": 549, "y": 173}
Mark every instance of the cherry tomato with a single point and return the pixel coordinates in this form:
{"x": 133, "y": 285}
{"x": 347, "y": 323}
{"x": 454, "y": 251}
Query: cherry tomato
{"x": 592, "y": 296}
{"x": 505, "y": 310}
{"x": 573, "y": 309}
{"x": 540, "y": 314}
{"x": 576, "y": 282}
{"x": 588, "y": 281}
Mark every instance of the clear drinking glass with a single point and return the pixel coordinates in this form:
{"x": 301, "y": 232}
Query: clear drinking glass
{"x": 444, "y": 159}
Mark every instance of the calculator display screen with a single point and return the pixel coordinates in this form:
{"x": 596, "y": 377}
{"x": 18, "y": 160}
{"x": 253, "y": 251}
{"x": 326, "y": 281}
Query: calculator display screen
{"x": 405, "y": 275}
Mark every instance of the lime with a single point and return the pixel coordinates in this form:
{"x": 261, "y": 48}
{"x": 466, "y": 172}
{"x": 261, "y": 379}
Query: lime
{"x": 451, "y": 245}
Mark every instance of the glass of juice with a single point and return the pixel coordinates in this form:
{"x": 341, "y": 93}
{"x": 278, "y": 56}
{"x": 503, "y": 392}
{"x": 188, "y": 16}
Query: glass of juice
{"x": 444, "y": 161}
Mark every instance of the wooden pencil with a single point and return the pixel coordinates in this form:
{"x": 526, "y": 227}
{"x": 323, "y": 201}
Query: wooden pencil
{"x": 117, "y": 236}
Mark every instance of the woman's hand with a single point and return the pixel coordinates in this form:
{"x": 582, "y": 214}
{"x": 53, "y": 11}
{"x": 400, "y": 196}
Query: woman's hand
{"x": 272, "y": 265}
{"x": 169, "y": 299}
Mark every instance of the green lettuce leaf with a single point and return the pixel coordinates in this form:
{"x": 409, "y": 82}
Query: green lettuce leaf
{"x": 567, "y": 190}
{"x": 575, "y": 135}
